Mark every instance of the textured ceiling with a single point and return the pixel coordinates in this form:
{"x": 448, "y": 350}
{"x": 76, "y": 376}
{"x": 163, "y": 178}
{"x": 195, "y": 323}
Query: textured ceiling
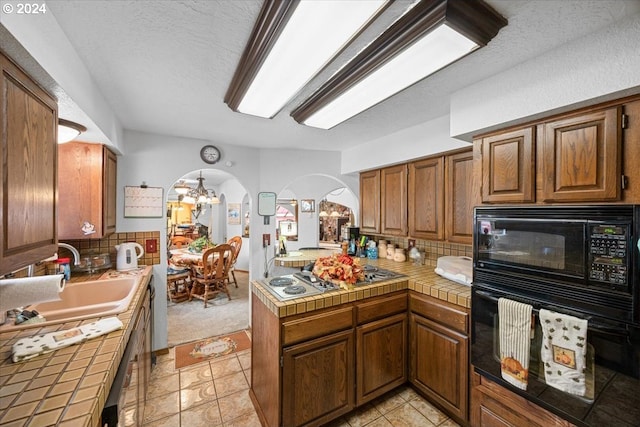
{"x": 164, "y": 66}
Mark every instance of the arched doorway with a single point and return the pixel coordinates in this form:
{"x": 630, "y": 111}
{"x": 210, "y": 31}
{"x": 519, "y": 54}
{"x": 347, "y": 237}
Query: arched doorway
{"x": 189, "y": 321}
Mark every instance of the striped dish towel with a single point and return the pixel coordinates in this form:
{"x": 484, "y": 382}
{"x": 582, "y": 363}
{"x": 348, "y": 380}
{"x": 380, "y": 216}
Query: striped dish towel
{"x": 515, "y": 341}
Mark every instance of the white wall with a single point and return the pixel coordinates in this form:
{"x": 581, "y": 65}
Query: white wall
{"x": 159, "y": 160}
{"x": 601, "y": 66}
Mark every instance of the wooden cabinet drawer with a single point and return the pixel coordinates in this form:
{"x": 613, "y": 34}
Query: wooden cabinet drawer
{"x": 319, "y": 325}
{"x": 381, "y": 308}
{"x": 445, "y": 313}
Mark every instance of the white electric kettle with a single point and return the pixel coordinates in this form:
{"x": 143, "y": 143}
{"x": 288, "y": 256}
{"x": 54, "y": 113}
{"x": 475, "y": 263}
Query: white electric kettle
{"x": 127, "y": 258}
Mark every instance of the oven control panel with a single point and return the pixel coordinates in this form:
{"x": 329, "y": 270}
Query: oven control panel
{"x": 608, "y": 254}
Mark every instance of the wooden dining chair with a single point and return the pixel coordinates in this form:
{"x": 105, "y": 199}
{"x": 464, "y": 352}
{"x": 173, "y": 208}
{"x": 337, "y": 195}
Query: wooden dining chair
{"x": 178, "y": 242}
{"x": 210, "y": 278}
{"x": 236, "y": 243}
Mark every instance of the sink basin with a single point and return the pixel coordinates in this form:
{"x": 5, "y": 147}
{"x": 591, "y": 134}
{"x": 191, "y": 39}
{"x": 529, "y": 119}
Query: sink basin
{"x": 82, "y": 300}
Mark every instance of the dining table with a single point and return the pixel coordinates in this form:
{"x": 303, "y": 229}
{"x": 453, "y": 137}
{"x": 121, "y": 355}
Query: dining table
{"x": 184, "y": 257}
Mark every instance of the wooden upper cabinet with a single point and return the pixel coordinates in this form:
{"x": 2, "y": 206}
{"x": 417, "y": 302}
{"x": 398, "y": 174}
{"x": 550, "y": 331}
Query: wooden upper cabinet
{"x": 508, "y": 167}
{"x": 581, "y": 157}
{"x": 370, "y": 202}
{"x": 28, "y": 230}
{"x": 426, "y": 199}
{"x": 394, "y": 200}
{"x": 87, "y": 179}
{"x": 462, "y": 195}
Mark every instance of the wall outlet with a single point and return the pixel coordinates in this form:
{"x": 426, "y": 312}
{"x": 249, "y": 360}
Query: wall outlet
{"x": 266, "y": 240}
{"x": 151, "y": 246}
{"x": 412, "y": 243}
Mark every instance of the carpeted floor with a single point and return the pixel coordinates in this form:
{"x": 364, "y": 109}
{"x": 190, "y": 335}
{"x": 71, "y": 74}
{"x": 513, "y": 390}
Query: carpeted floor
{"x": 190, "y": 321}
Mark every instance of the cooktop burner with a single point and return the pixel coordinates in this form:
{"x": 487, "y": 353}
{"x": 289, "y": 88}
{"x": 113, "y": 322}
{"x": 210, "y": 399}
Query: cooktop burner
{"x": 294, "y": 290}
{"x": 281, "y": 281}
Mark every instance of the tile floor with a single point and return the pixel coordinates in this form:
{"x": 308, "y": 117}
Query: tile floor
{"x": 216, "y": 393}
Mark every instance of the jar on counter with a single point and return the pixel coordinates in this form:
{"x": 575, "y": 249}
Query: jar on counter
{"x": 64, "y": 267}
{"x": 382, "y": 247}
{"x": 391, "y": 251}
{"x": 399, "y": 255}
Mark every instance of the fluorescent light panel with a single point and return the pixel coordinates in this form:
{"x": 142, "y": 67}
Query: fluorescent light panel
{"x": 313, "y": 35}
{"x": 429, "y": 36}
{"x": 434, "y": 51}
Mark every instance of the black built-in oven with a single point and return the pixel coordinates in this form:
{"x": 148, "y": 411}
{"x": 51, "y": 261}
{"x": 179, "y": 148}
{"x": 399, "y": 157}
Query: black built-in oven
{"x": 581, "y": 261}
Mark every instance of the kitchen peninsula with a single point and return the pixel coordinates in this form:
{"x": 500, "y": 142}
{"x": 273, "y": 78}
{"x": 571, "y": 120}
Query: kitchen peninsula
{"x": 316, "y": 358}
{"x": 68, "y": 387}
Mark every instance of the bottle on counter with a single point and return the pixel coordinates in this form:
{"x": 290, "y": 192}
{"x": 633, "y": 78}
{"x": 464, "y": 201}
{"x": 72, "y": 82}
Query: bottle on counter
{"x": 64, "y": 267}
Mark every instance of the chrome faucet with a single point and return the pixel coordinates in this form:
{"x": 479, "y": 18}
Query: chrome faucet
{"x": 74, "y": 251}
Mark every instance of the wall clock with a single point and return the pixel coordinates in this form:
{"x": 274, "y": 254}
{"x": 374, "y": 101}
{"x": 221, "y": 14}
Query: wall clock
{"x": 210, "y": 154}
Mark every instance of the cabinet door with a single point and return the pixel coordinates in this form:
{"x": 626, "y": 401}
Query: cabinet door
{"x": 495, "y": 406}
{"x": 381, "y": 353}
{"x": 110, "y": 165}
{"x": 28, "y": 230}
{"x": 394, "y": 200}
{"x": 318, "y": 380}
{"x": 439, "y": 365}
{"x": 370, "y": 202}
{"x": 426, "y": 199}
{"x": 87, "y": 178}
{"x": 581, "y": 157}
{"x": 461, "y": 197}
{"x": 508, "y": 167}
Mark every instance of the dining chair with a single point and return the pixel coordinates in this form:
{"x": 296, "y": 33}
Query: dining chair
{"x": 210, "y": 278}
{"x": 236, "y": 243}
{"x": 178, "y": 242}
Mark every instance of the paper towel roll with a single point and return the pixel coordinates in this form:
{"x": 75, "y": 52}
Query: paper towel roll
{"x": 30, "y": 290}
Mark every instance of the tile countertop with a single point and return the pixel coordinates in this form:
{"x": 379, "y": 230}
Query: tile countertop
{"x": 67, "y": 387}
{"x": 420, "y": 278}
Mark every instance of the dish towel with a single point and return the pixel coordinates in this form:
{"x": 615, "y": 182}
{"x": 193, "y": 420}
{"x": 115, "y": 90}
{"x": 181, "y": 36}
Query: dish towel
{"x": 28, "y": 348}
{"x": 563, "y": 352}
{"x": 515, "y": 341}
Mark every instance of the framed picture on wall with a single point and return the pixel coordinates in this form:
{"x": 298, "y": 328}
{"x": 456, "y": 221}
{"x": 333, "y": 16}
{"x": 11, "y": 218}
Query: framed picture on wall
{"x": 308, "y": 205}
{"x": 233, "y": 213}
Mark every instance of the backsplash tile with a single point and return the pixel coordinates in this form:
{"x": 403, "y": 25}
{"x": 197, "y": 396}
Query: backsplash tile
{"x": 432, "y": 249}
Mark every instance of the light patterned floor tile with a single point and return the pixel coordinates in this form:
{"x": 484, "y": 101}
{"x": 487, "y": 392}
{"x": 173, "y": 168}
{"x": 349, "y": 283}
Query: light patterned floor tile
{"x": 432, "y": 413}
{"x": 235, "y": 405}
{"x": 196, "y": 395}
{"x": 406, "y": 415}
{"x": 162, "y": 407}
{"x": 206, "y": 415}
{"x": 163, "y": 385}
{"x": 199, "y": 374}
{"x": 227, "y": 366}
{"x": 230, "y": 384}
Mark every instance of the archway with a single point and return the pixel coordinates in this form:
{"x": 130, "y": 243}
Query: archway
{"x": 188, "y": 320}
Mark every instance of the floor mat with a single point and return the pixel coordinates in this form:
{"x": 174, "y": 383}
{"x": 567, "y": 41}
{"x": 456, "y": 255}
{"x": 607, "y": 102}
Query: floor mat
{"x": 210, "y": 348}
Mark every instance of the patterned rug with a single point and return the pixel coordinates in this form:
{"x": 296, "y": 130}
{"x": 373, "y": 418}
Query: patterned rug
{"x": 210, "y": 348}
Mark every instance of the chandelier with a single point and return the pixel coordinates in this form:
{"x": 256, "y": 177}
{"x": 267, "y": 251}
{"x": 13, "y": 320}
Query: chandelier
{"x": 196, "y": 195}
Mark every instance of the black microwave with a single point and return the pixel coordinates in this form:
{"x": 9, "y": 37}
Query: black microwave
{"x": 584, "y": 255}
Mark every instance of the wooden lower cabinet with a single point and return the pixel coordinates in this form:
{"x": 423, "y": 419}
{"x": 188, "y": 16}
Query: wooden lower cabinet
{"x": 495, "y": 406}
{"x": 381, "y": 348}
{"x": 439, "y": 358}
{"x": 318, "y": 380}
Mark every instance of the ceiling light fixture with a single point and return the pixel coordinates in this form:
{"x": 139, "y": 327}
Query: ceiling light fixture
{"x": 68, "y": 130}
{"x": 196, "y": 195}
{"x": 430, "y": 36}
{"x": 181, "y": 188}
{"x": 290, "y": 43}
